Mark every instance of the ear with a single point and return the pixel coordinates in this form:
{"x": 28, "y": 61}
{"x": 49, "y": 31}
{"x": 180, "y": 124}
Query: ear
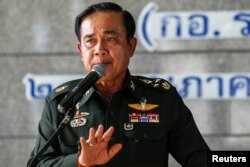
{"x": 132, "y": 43}
{"x": 78, "y": 46}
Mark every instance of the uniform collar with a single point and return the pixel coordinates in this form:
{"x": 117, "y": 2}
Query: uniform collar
{"x": 129, "y": 84}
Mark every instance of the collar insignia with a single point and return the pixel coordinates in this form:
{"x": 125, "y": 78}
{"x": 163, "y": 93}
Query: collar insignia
{"x": 132, "y": 85}
{"x": 147, "y": 81}
{"x": 165, "y": 85}
{"x": 157, "y": 83}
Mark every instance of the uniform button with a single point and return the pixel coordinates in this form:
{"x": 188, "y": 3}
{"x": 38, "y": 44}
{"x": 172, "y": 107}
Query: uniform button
{"x": 145, "y": 136}
{"x": 136, "y": 140}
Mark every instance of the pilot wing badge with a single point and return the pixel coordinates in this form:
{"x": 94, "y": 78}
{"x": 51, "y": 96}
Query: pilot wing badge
{"x": 143, "y": 112}
{"x": 143, "y": 106}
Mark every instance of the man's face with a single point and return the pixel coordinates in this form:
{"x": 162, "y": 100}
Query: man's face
{"x": 104, "y": 41}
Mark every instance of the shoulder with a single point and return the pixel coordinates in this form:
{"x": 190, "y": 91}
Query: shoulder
{"x": 153, "y": 83}
{"x": 63, "y": 89}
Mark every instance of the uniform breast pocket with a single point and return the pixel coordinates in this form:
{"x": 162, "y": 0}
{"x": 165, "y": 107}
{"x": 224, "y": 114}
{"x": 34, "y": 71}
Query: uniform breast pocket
{"x": 146, "y": 142}
{"x": 69, "y": 148}
{"x": 69, "y": 139}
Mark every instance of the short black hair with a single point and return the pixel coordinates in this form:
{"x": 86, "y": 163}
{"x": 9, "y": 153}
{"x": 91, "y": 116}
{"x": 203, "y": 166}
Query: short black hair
{"x": 128, "y": 19}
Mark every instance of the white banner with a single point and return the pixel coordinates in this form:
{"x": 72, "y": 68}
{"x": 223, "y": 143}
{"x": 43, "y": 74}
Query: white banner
{"x": 220, "y": 86}
{"x": 154, "y": 26}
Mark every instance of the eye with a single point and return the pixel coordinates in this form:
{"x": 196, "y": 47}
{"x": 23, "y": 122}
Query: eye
{"x": 89, "y": 42}
{"x": 111, "y": 39}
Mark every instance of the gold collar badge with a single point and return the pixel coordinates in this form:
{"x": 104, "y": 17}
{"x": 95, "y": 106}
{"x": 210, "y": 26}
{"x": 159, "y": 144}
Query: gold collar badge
{"x": 157, "y": 83}
{"x": 132, "y": 85}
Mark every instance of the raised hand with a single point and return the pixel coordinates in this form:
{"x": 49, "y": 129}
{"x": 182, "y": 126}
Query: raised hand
{"x": 95, "y": 150}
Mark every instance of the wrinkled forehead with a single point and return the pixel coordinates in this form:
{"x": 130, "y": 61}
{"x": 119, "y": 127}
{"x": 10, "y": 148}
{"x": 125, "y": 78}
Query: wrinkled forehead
{"x": 103, "y": 22}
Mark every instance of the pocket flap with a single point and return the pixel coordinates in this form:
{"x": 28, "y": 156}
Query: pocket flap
{"x": 145, "y": 131}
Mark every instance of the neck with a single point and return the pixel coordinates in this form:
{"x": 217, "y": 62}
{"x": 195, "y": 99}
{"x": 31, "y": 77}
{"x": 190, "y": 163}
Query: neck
{"x": 108, "y": 88}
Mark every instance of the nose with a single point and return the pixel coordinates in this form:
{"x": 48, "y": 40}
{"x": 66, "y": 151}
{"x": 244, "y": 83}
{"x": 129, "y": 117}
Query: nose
{"x": 101, "y": 49}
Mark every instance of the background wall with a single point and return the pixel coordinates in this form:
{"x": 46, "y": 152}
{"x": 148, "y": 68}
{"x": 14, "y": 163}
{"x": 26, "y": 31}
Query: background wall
{"x": 37, "y": 36}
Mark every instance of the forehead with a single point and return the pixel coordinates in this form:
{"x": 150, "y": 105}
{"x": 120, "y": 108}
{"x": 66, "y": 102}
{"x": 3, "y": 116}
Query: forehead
{"x": 102, "y": 21}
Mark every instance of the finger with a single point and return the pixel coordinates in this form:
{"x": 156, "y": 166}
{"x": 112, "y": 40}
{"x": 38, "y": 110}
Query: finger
{"x": 91, "y": 140}
{"x": 91, "y": 134}
{"x": 83, "y": 143}
{"x": 84, "y": 148}
{"x": 99, "y": 133}
{"x": 108, "y": 134}
{"x": 114, "y": 150}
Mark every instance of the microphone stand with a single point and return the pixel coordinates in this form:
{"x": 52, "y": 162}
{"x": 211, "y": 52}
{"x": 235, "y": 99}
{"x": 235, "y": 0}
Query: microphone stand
{"x": 68, "y": 117}
{"x": 65, "y": 106}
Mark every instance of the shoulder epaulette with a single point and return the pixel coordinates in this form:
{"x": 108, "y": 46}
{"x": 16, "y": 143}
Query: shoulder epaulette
{"x": 157, "y": 83}
{"x": 63, "y": 88}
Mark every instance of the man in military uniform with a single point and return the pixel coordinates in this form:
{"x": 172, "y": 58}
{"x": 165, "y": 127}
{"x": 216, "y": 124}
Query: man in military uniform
{"x": 123, "y": 120}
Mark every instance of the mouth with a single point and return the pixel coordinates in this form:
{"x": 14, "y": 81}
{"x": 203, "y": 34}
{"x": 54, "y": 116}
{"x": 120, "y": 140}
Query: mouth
{"x": 103, "y": 63}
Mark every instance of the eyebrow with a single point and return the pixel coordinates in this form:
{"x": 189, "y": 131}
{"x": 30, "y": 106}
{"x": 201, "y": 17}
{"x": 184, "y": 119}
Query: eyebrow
{"x": 110, "y": 32}
{"x": 104, "y": 32}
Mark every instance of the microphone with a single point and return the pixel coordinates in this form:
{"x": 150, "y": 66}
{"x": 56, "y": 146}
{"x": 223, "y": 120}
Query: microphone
{"x": 65, "y": 106}
{"x": 97, "y": 71}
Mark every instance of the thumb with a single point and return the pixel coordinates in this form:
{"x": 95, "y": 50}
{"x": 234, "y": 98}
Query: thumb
{"x": 114, "y": 150}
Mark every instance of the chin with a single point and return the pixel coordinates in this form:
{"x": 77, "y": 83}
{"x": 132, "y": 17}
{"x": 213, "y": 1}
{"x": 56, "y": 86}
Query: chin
{"x": 107, "y": 77}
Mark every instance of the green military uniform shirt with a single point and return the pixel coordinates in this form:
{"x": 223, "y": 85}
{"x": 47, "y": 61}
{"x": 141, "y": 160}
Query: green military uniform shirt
{"x": 150, "y": 121}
